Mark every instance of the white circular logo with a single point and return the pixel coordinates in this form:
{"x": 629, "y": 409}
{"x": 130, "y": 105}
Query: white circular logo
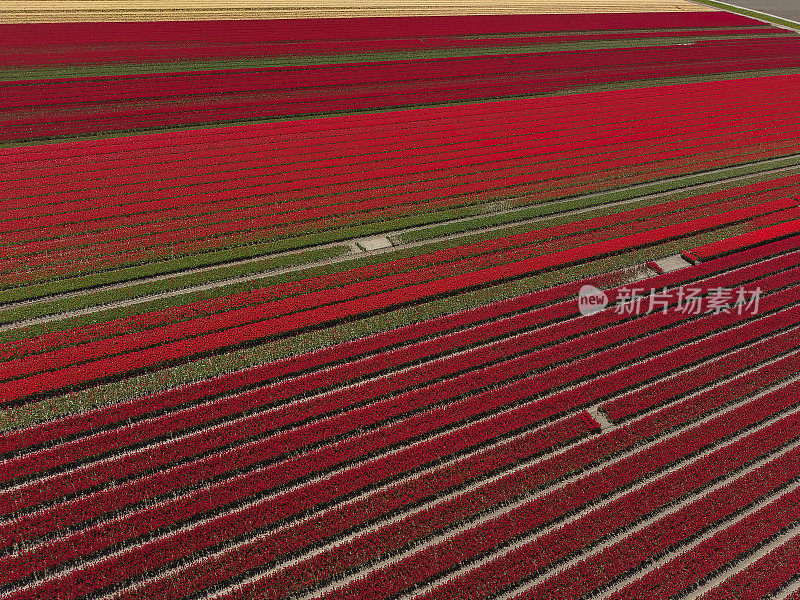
{"x": 591, "y": 300}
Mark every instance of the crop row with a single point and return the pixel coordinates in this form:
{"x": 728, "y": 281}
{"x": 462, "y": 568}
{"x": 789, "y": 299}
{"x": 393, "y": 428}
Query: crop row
{"x": 521, "y": 475}
{"x": 140, "y": 53}
{"x": 122, "y": 565}
{"x": 338, "y": 304}
{"x": 680, "y": 526}
{"x": 362, "y": 444}
{"x": 763, "y": 577}
{"x": 233, "y": 232}
{"x": 480, "y": 253}
{"x": 373, "y": 413}
{"x": 684, "y": 61}
{"x": 220, "y": 207}
{"x": 371, "y": 129}
{"x": 312, "y": 30}
{"x": 355, "y": 368}
{"x": 385, "y": 73}
{"x": 729, "y": 543}
{"x": 580, "y": 133}
{"x": 544, "y": 551}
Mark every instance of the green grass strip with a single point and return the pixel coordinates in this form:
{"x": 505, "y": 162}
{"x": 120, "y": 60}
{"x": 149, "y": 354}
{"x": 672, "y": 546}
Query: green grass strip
{"x": 709, "y": 182}
{"x": 221, "y": 364}
{"x": 752, "y": 13}
{"x": 116, "y": 69}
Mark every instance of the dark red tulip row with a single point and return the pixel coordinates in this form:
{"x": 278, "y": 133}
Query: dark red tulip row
{"x": 545, "y": 551}
{"x": 313, "y": 30}
{"x": 618, "y": 353}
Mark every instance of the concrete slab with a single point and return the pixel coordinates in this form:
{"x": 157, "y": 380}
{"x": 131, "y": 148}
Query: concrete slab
{"x": 671, "y": 263}
{"x": 374, "y": 243}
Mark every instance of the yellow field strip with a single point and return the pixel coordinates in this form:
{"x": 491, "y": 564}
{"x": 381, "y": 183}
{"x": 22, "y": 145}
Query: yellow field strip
{"x": 21, "y": 11}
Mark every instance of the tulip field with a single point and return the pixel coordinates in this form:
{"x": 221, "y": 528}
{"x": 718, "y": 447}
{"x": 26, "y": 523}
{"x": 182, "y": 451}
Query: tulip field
{"x": 414, "y": 301}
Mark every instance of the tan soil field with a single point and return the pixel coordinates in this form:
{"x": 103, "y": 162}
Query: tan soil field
{"x": 21, "y": 11}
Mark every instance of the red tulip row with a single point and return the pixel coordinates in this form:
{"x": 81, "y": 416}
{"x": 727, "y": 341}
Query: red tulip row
{"x": 521, "y": 477}
{"x": 747, "y": 240}
{"x": 534, "y": 556}
{"x": 114, "y": 415}
{"x": 469, "y": 257}
{"x": 635, "y": 402}
{"x": 516, "y": 185}
{"x": 599, "y": 107}
{"x": 46, "y": 56}
{"x": 764, "y": 577}
{"x": 155, "y": 553}
{"x": 234, "y": 215}
{"x": 678, "y": 527}
{"x": 298, "y": 105}
{"x": 371, "y": 130}
{"x": 264, "y": 422}
{"x": 208, "y": 195}
{"x": 100, "y": 536}
{"x": 384, "y": 73}
{"x": 337, "y": 305}
{"x": 687, "y": 61}
{"x": 309, "y": 30}
{"x": 727, "y": 544}
{"x": 251, "y": 428}
{"x": 265, "y": 478}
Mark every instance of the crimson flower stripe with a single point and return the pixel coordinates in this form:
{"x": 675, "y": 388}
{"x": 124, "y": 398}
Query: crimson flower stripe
{"x": 423, "y": 422}
{"x": 433, "y": 560}
{"x": 20, "y": 388}
{"x": 626, "y": 109}
{"x": 762, "y": 578}
{"x": 724, "y": 546}
{"x": 371, "y": 27}
{"x": 753, "y": 238}
{"x": 127, "y": 175}
{"x": 520, "y": 480}
{"x": 676, "y": 527}
{"x": 191, "y": 246}
{"x": 31, "y": 241}
{"x": 576, "y": 234}
{"x": 608, "y": 101}
{"x": 81, "y": 448}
